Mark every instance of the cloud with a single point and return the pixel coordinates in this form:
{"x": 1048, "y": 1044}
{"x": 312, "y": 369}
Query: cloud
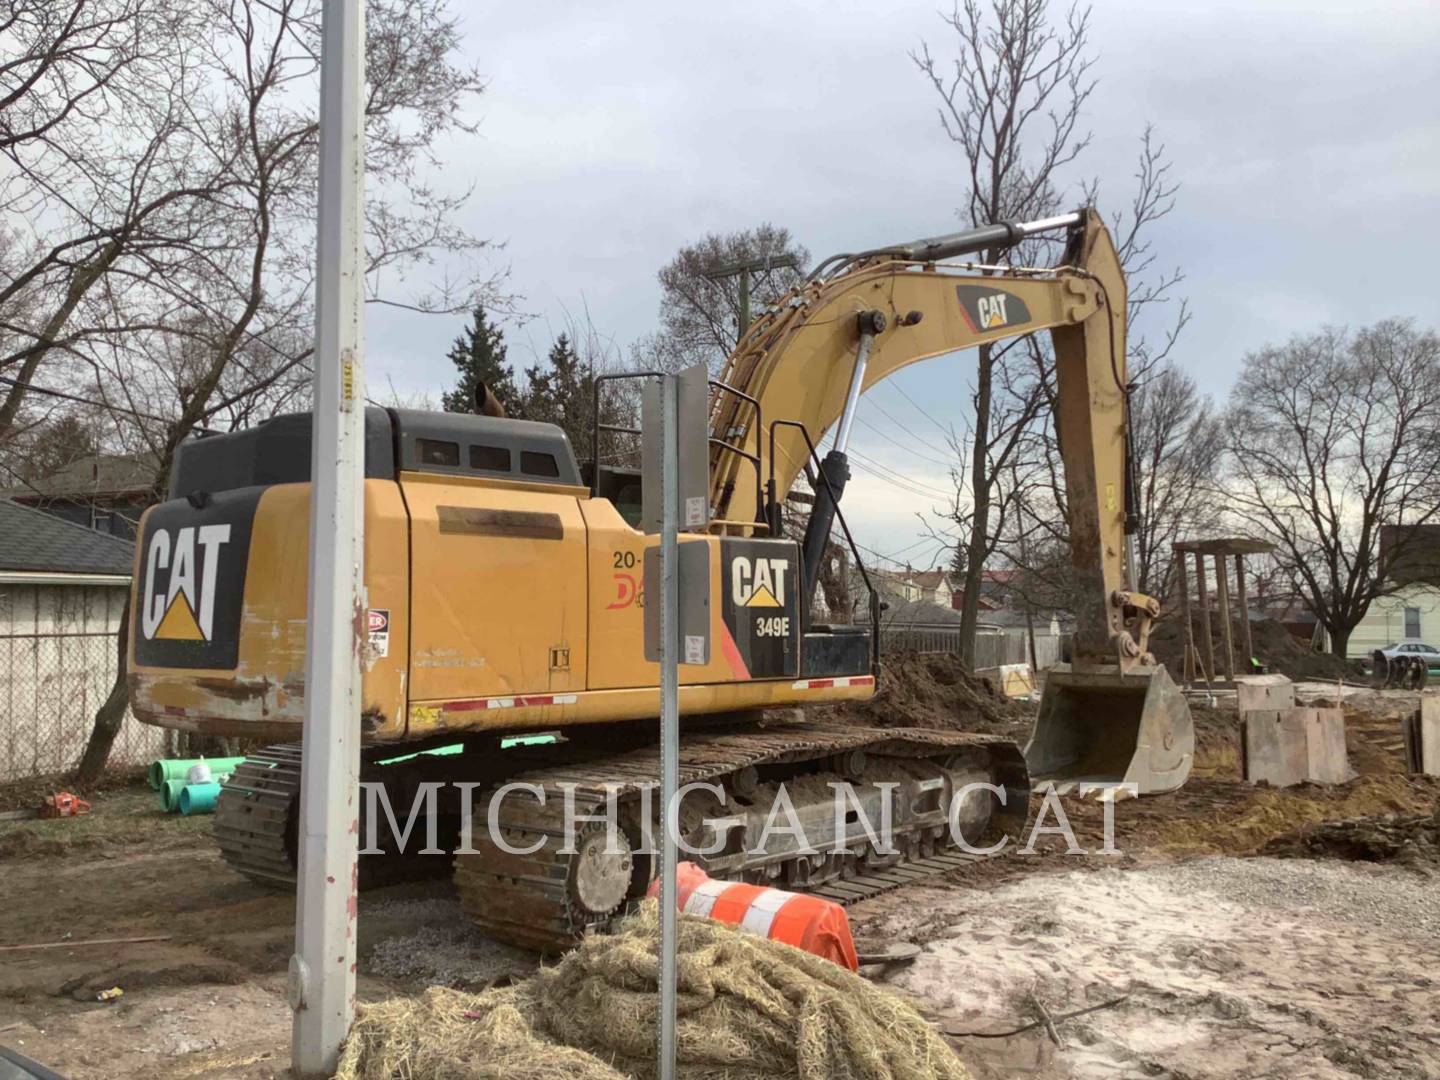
{"x": 1304, "y": 134}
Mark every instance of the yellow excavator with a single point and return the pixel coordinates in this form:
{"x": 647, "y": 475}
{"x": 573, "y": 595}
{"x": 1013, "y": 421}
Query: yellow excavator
{"x": 503, "y": 641}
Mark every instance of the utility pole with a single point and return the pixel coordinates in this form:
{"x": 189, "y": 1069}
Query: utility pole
{"x": 743, "y": 270}
{"x": 322, "y": 970}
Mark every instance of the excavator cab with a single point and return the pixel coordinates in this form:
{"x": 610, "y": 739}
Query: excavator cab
{"x": 1101, "y": 725}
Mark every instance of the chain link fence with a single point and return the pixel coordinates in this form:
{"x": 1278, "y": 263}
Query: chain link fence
{"x": 57, "y": 664}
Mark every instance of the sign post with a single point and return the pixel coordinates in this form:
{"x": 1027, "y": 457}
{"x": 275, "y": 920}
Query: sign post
{"x": 676, "y": 477}
{"x": 322, "y": 970}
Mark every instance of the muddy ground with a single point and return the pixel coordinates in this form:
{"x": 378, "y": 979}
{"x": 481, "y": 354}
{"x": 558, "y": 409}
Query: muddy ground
{"x": 1236, "y": 961}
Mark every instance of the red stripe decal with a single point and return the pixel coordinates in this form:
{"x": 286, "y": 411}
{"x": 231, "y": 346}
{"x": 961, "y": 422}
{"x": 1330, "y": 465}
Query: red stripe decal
{"x": 728, "y": 649}
{"x": 965, "y": 314}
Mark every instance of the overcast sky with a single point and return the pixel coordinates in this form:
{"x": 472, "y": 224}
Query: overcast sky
{"x": 1306, "y": 136}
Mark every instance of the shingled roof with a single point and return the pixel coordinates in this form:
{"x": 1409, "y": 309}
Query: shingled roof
{"x": 34, "y": 541}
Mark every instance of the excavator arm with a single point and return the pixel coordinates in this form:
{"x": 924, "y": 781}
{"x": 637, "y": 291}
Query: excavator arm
{"x": 862, "y": 317}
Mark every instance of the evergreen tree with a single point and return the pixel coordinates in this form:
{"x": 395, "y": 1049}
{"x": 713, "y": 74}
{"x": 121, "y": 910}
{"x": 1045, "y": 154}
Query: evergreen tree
{"x": 562, "y": 393}
{"x": 479, "y": 356}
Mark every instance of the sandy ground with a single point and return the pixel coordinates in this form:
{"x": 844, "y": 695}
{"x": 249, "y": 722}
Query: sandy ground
{"x": 1232, "y": 967}
{"x": 1235, "y": 965}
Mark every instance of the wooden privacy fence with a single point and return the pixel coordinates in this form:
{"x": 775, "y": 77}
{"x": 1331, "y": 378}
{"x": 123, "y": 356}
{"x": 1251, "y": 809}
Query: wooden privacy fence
{"x": 57, "y": 664}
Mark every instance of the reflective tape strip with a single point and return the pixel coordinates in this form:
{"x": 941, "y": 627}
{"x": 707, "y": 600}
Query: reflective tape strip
{"x": 702, "y": 900}
{"x": 509, "y": 702}
{"x": 762, "y": 911}
{"x": 732, "y": 904}
{"x": 838, "y": 681}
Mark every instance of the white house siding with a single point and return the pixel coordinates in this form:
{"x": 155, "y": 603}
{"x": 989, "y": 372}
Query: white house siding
{"x": 1384, "y": 623}
{"x": 57, "y": 663}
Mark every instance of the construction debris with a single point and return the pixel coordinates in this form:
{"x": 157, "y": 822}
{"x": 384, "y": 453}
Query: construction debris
{"x": 748, "y": 1008}
{"x": 63, "y": 804}
{"x": 1421, "y": 730}
{"x": 1290, "y": 746}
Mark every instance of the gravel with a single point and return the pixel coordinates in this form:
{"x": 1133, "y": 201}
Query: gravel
{"x": 1404, "y": 903}
{"x": 430, "y": 942}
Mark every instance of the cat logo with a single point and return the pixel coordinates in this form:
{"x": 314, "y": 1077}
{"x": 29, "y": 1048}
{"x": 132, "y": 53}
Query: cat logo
{"x": 183, "y": 608}
{"x": 758, "y": 582}
{"x": 985, "y": 309}
{"x": 992, "y": 310}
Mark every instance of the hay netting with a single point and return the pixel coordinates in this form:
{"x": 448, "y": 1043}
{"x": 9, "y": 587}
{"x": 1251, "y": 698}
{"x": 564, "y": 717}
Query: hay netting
{"x": 747, "y": 1008}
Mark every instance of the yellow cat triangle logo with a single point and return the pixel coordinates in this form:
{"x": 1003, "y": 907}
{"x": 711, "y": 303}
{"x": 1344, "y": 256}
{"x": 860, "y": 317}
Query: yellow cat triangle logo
{"x": 179, "y": 623}
{"x": 762, "y": 597}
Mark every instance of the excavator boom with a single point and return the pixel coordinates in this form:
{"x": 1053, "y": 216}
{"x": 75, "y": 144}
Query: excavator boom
{"x": 1114, "y": 716}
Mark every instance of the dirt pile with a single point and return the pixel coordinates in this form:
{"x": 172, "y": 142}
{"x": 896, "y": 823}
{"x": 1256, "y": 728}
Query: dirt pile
{"x": 1217, "y": 742}
{"x": 1275, "y": 647}
{"x": 1408, "y": 839}
{"x": 937, "y": 691}
{"x": 747, "y": 1008}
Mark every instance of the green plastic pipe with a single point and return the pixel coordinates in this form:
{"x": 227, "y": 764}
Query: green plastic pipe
{"x": 170, "y": 795}
{"x": 199, "y": 798}
{"x": 176, "y": 768}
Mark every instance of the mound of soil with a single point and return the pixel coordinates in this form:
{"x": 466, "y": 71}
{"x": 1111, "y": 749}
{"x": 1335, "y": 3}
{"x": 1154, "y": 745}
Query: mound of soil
{"x": 1217, "y": 742}
{"x": 1275, "y": 647}
{"x": 1409, "y": 839}
{"x": 937, "y": 691}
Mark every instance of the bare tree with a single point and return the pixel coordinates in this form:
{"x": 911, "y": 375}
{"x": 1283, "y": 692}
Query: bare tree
{"x": 158, "y": 202}
{"x": 1011, "y": 100}
{"x": 700, "y": 314}
{"x": 1328, "y": 438}
{"x": 1173, "y": 442}
{"x": 1177, "y": 439}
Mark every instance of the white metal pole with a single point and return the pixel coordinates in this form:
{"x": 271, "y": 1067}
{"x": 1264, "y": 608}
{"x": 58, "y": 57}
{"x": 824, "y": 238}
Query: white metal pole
{"x": 322, "y": 971}
{"x": 669, "y": 708}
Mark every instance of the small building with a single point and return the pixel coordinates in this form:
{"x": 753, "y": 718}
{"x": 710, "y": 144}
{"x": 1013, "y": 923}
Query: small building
{"x": 62, "y": 592}
{"x": 1411, "y": 555}
{"x": 934, "y": 585}
{"x": 104, "y": 492}
{"x": 1410, "y": 614}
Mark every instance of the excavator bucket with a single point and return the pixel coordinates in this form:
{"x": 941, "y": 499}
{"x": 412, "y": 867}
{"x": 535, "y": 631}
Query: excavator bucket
{"x": 1098, "y": 726}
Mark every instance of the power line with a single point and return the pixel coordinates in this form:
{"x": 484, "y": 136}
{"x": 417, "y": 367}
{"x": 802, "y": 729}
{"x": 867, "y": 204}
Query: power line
{"x": 893, "y": 482}
{"x": 902, "y": 427}
{"x": 947, "y": 431}
{"x": 32, "y": 388}
{"x": 891, "y": 439}
{"x": 896, "y": 478}
{"x": 902, "y": 551}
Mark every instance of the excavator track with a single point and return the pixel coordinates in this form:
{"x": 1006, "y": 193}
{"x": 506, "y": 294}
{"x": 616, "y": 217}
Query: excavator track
{"x": 546, "y": 899}
{"x": 257, "y": 817}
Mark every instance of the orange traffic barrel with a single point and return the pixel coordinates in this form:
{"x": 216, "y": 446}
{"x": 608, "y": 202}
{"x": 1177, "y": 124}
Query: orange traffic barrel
{"x": 806, "y": 922}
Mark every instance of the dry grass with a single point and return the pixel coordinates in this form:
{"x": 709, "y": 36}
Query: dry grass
{"x": 747, "y": 1008}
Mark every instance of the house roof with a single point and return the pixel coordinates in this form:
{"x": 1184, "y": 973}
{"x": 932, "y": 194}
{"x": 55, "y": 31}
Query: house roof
{"x": 91, "y": 475}
{"x": 918, "y": 612}
{"x": 926, "y": 579}
{"x": 32, "y": 540}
